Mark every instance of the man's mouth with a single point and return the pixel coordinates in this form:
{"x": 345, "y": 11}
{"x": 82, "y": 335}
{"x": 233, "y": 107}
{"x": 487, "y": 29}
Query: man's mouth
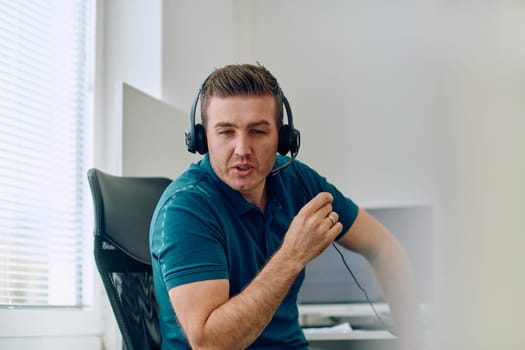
{"x": 243, "y": 169}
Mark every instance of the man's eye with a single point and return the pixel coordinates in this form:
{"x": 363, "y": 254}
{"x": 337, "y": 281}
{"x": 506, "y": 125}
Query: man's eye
{"x": 258, "y": 132}
{"x": 225, "y": 132}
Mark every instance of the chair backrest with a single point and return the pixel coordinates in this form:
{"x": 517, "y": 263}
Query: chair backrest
{"x": 123, "y": 207}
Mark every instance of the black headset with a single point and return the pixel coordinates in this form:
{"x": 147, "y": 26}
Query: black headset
{"x": 289, "y": 137}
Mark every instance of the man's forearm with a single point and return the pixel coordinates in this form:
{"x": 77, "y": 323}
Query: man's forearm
{"x": 240, "y": 320}
{"x": 392, "y": 267}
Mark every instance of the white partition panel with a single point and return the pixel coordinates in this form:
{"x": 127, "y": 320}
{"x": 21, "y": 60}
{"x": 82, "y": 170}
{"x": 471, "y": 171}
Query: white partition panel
{"x": 152, "y": 136}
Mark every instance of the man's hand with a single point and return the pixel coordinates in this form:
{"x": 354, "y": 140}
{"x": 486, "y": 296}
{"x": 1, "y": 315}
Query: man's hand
{"x": 312, "y": 230}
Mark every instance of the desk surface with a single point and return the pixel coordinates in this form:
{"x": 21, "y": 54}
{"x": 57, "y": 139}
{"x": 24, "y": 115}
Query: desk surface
{"x": 352, "y": 335}
{"x": 342, "y": 309}
{"x": 354, "y": 340}
{"x": 366, "y": 339}
{"x": 358, "y": 316}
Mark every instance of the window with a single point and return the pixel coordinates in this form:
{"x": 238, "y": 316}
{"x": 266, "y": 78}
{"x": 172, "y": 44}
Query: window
{"x": 46, "y": 60}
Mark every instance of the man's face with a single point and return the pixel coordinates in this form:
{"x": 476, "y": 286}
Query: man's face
{"x": 242, "y": 140}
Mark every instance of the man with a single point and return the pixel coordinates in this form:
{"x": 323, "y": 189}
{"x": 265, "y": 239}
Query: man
{"x": 231, "y": 236}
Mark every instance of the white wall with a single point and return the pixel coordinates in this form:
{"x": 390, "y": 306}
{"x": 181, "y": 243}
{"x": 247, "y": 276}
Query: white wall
{"x": 197, "y": 37}
{"x": 360, "y": 80}
{"x": 359, "y": 77}
{"x": 51, "y": 343}
{"x": 152, "y": 134}
{"x": 129, "y": 50}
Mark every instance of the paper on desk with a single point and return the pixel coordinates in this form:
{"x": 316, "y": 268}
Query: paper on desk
{"x": 340, "y": 328}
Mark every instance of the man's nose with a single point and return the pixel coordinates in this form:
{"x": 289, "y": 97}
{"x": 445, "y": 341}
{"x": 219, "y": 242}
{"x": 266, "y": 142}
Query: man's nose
{"x": 243, "y": 145}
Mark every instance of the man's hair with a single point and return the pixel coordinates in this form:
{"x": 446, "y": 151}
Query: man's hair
{"x": 241, "y": 80}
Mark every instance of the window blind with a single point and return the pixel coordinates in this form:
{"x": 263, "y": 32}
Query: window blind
{"x": 45, "y": 114}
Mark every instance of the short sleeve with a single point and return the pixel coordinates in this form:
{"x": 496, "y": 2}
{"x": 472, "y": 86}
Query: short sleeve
{"x": 186, "y": 241}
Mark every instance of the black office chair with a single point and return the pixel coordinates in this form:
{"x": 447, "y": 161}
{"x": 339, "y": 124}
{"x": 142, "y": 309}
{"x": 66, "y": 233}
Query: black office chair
{"x": 123, "y": 209}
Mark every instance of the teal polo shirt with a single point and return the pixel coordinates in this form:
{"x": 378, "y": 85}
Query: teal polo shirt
{"x": 202, "y": 229}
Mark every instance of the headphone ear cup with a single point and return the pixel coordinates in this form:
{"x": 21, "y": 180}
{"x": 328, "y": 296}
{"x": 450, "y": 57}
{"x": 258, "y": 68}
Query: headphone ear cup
{"x": 201, "y": 144}
{"x": 294, "y": 140}
{"x": 284, "y": 140}
{"x": 190, "y": 144}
